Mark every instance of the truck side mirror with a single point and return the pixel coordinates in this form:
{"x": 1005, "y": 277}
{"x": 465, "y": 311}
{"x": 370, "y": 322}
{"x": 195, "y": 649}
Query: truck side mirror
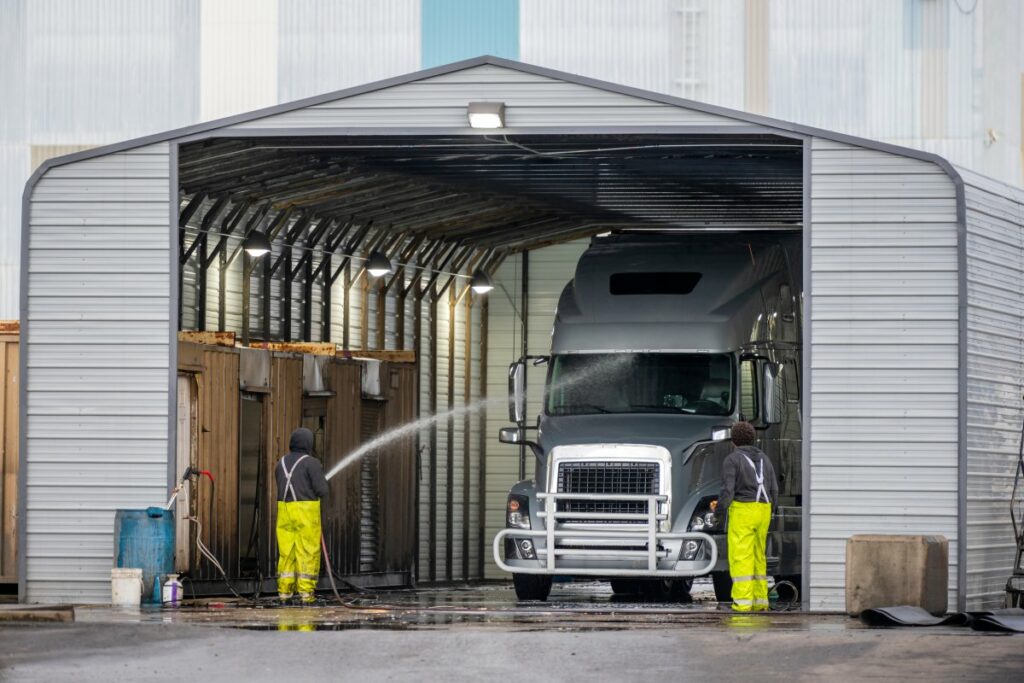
{"x": 510, "y": 435}
{"x": 517, "y": 392}
{"x": 771, "y": 397}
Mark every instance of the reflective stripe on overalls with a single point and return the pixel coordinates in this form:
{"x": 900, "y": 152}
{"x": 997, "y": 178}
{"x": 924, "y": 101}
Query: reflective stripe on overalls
{"x": 748, "y": 535}
{"x": 298, "y": 539}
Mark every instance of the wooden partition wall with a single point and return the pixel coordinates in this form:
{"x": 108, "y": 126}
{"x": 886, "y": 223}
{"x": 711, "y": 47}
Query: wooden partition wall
{"x": 338, "y": 415}
{"x": 9, "y": 392}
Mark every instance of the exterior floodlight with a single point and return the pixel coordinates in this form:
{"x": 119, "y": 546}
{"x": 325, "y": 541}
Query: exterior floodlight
{"x": 379, "y": 264}
{"x": 487, "y": 114}
{"x": 257, "y": 244}
{"x": 480, "y": 283}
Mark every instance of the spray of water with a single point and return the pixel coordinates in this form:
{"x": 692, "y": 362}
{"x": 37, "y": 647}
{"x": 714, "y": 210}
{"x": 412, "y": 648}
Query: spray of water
{"x": 607, "y": 366}
{"x": 408, "y": 429}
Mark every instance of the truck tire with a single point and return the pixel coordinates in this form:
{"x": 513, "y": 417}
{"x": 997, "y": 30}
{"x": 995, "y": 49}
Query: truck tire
{"x": 723, "y": 586}
{"x": 532, "y": 586}
{"x": 678, "y": 590}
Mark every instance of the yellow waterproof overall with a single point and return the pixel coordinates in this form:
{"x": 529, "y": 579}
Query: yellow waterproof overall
{"x": 748, "y": 535}
{"x": 298, "y": 542}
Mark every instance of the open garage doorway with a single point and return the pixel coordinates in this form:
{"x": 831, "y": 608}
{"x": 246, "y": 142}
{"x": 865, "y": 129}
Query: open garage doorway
{"x": 439, "y": 210}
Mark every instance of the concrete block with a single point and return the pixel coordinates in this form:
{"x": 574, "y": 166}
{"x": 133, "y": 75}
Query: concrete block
{"x": 884, "y": 571}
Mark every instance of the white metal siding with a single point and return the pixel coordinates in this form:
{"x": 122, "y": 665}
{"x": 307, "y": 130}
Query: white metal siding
{"x": 884, "y": 354}
{"x": 995, "y": 380}
{"x": 98, "y": 364}
{"x": 530, "y": 100}
{"x": 550, "y": 269}
{"x": 324, "y": 45}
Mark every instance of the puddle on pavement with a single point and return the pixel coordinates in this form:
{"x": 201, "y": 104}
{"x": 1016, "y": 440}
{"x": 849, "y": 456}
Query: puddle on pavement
{"x": 573, "y": 607}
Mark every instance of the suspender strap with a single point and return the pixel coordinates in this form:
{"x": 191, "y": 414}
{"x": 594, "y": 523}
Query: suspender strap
{"x": 759, "y": 476}
{"x": 288, "y": 488}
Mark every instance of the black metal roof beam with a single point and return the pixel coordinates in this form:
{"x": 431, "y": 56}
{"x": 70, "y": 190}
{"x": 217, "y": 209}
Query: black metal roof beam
{"x": 407, "y": 254}
{"x": 315, "y": 235}
{"x": 204, "y": 230}
{"x": 350, "y": 248}
{"x": 457, "y": 265}
{"x": 227, "y": 227}
{"x": 289, "y": 239}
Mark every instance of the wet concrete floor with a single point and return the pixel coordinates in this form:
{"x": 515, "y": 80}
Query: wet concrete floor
{"x": 481, "y": 632}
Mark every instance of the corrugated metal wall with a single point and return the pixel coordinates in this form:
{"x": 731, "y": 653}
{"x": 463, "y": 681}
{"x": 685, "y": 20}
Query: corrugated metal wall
{"x": 97, "y": 338}
{"x": 995, "y": 380}
{"x": 324, "y": 45}
{"x": 927, "y": 74}
{"x": 938, "y": 75}
{"x": 884, "y": 385}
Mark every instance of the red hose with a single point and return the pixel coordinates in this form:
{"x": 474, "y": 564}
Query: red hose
{"x": 330, "y": 570}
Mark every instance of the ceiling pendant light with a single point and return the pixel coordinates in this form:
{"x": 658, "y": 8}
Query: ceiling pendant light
{"x": 378, "y": 264}
{"x": 481, "y": 283}
{"x": 257, "y": 244}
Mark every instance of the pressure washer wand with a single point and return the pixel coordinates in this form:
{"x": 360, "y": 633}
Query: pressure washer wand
{"x": 190, "y": 472}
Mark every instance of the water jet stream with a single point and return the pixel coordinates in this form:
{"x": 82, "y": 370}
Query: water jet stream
{"x": 422, "y": 423}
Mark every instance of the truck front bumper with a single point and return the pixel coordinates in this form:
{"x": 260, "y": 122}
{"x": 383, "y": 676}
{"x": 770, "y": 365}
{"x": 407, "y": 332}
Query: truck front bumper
{"x": 641, "y": 550}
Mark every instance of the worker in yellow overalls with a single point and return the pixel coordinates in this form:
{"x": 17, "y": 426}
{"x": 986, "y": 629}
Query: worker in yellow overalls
{"x": 300, "y": 488}
{"x": 749, "y": 492}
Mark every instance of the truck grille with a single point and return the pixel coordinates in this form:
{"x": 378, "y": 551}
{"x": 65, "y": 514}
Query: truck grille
{"x": 607, "y": 477}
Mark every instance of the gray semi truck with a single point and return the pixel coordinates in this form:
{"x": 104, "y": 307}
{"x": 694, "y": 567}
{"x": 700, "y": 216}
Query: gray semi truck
{"x": 660, "y": 342}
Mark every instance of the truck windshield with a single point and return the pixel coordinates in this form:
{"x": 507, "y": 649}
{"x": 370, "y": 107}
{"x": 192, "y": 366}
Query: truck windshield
{"x": 693, "y": 384}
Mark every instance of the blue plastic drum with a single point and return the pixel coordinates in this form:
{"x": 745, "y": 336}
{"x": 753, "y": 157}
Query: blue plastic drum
{"x": 144, "y": 539}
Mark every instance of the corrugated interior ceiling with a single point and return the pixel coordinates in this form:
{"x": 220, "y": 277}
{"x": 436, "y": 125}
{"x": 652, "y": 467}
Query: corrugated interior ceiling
{"x": 510, "y": 191}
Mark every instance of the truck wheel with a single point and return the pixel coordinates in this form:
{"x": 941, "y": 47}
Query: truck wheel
{"x": 532, "y": 586}
{"x": 678, "y": 590}
{"x": 625, "y": 586}
{"x": 723, "y": 586}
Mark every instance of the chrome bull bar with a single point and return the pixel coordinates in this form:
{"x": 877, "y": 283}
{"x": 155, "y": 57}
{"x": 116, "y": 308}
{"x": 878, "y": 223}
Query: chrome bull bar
{"x": 646, "y": 533}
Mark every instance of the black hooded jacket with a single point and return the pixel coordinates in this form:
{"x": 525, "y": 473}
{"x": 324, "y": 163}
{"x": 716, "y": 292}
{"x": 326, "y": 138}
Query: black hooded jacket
{"x": 739, "y": 480}
{"x": 308, "y": 480}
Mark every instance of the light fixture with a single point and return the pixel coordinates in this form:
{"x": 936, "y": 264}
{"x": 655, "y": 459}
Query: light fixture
{"x": 487, "y": 114}
{"x": 378, "y": 264}
{"x": 480, "y": 283}
{"x": 257, "y": 244}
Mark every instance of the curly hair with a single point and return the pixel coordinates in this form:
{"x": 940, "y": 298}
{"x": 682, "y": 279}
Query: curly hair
{"x": 743, "y": 434}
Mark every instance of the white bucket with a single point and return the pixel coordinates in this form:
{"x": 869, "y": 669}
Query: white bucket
{"x": 125, "y": 587}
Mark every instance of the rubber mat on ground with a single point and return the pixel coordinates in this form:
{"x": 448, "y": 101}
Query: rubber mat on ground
{"x": 908, "y": 615}
{"x": 999, "y": 620}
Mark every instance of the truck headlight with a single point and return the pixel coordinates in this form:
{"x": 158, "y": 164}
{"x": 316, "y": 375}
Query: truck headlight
{"x": 517, "y": 513}
{"x": 704, "y": 519}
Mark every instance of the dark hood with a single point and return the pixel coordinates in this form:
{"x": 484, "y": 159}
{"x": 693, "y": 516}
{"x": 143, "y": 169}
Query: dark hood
{"x": 301, "y": 441}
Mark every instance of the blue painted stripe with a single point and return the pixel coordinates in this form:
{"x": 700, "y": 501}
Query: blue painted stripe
{"x": 460, "y": 29}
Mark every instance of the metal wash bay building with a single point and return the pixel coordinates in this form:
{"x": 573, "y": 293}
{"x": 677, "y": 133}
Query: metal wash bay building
{"x": 913, "y": 298}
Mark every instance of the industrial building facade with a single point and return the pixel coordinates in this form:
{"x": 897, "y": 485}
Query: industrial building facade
{"x": 937, "y": 75}
{"x": 912, "y": 301}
